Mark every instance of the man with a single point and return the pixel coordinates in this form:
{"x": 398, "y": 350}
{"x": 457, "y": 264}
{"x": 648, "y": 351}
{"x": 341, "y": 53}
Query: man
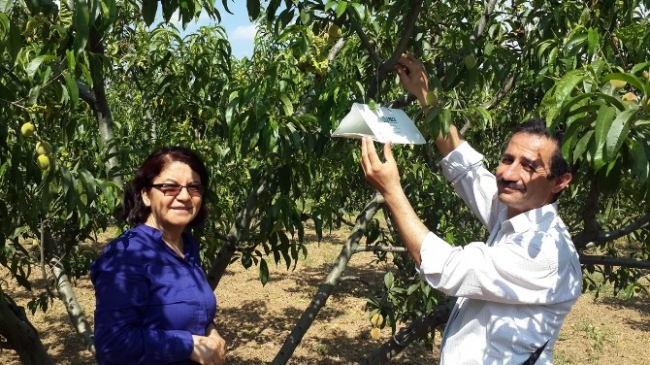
{"x": 516, "y": 288}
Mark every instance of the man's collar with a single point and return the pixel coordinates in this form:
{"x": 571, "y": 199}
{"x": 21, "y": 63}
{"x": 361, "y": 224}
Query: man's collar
{"x": 533, "y": 218}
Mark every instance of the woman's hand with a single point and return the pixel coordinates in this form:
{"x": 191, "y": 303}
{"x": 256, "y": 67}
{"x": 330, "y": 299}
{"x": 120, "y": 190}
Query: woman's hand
{"x": 209, "y": 350}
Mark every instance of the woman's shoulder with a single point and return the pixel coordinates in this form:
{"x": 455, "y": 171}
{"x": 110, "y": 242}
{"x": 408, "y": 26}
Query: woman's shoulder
{"x": 134, "y": 246}
{"x": 134, "y": 239}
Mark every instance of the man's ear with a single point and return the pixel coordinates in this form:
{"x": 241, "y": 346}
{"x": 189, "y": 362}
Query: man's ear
{"x": 562, "y": 182}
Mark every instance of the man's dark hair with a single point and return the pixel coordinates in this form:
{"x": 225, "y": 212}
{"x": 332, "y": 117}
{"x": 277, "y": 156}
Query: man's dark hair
{"x": 135, "y": 211}
{"x": 537, "y": 126}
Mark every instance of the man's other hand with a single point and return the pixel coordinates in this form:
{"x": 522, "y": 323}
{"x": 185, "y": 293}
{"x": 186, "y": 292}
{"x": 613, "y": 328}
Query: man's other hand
{"x": 383, "y": 176}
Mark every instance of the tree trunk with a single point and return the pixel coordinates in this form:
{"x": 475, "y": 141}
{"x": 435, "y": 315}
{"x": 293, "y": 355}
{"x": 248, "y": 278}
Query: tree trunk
{"x": 327, "y": 287}
{"x": 65, "y": 291}
{"x": 102, "y": 110}
{"x": 242, "y": 222}
{"x": 69, "y": 299}
{"x": 21, "y": 335}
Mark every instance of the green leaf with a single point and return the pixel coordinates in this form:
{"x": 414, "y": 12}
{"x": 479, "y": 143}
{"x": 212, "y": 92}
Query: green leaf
{"x": 303, "y": 44}
{"x": 412, "y": 288}
{"x": 593, "y": 39}
{"x": 566, "y": 107}
{"x": 81, "y": 25}
{"x": 271, "y": 9}
{"x": 69, "y": 191}
{"x": 629, "y": 78}
{"x": 641, "y": 165}
{"x": 604, "y": 121}
{"x": 73, "y": 89}
{"x": 331, "y": 5}
{"x": 340, "y": 8}
{"x": 34, "y": 64}
{"x": 264, "y": 272}
{"x": 567, "y": 84}
{"x": 576, "y": 42}
{"x": 640, "y": 67}
{"x": 286, "y": 105}
{"x": 552, "y": 57}
{"x": 5, "y": 23}
{"x": 389, "y": 280}
{"x": 305, "y": 16}
{"x": 486, "y": 116}
{"x": 109, "y": 14}
{"x": 253, "y": 7}
{"x": 5, "y": 7}
{"x": 90, "y": 185}
{"x": 285, "y": 247}
{"x": 149, "y": 9}
{"x": 618, "y": 133}
{"x": 359, "y": 10}
{"x": 72, "y": 61}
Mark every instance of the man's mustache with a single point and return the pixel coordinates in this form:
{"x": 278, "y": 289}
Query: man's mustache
{"x": 511, "y": 185}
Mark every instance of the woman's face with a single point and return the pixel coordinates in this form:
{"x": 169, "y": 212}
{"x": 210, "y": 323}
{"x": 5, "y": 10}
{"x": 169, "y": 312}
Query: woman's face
{"x": 175, "y": 198}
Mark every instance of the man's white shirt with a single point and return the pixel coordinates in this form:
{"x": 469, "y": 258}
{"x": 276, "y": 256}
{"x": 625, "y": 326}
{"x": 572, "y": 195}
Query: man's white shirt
{"x": 515, "y": 289}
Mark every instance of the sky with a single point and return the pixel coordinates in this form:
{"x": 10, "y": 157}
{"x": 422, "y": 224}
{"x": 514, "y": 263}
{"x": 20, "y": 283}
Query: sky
{"x": 241, "y": 31}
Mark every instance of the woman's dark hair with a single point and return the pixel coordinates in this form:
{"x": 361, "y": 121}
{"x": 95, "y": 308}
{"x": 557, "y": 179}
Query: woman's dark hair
{"x": 134, "y": 210}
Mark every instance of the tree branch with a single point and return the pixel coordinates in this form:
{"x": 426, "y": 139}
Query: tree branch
{"x": 64, "y": 290}
{"x": 85, "y": 93}
{"x": 354, "y": 278}
{"x": 481, "y": 25}
{"x": 601, "y": 237}
{"x": 20, "y": 334}
{"x": 242, "y": 222}
{"x": 479, "y": 30}
{"x": 614, "y": 261}
{"x": 400, "y": 102}
{"x": 379, "y": 249}
{"x": 590, "y": 231}
{"x": 334, "y": 51}
{"x": 387, "y": 66}
{"x": 621, "y": 232}
{"x": 505, "y": 89}
{"x": 409, "y": 26}
{"x": 69, "y": 299}
{"x": 364, "y": 38}
{"x": 327, "y": 287}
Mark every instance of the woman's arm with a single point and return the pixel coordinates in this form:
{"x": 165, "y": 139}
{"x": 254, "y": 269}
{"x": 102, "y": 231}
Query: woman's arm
{"x": 120, "y": 334}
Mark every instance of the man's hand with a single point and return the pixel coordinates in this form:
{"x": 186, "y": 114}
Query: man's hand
{"x": 413, "y": 77}
{"x": 210, "y": 350}
{"x": 383, "y": 176}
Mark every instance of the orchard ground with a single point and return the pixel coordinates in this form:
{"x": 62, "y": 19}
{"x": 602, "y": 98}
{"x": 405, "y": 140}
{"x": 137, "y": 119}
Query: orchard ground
{"x": 256, "y": 319}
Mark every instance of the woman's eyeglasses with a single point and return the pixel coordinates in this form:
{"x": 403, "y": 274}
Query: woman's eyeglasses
{"x": 174, "y": 189}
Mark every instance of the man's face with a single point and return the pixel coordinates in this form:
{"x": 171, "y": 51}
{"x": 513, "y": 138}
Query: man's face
{"x": 522, "y": 174}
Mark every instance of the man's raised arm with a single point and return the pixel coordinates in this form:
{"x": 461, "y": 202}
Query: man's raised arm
{"x": 414, "y": 79}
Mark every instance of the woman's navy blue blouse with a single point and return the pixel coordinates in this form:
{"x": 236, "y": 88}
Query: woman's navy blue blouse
{"x": 149, "y": 300}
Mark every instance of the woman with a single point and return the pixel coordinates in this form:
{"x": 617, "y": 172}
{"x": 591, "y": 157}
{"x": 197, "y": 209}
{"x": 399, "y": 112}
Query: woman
{"x": 154, "y": 304}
